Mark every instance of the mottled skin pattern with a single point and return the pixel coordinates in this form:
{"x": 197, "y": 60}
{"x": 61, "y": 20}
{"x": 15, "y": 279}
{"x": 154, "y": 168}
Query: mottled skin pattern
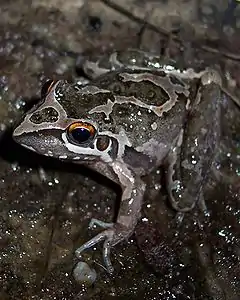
{"x": 145, "y": 113}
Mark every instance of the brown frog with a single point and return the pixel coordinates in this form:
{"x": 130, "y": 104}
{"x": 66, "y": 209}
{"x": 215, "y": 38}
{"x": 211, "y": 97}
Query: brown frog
{"x": 137, "y": 113}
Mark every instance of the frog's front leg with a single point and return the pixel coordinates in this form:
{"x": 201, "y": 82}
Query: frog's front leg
{"x": 133, "y": 189}
{"x": 192, "y": 155}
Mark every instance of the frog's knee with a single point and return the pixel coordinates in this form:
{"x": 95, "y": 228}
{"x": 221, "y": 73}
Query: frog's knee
{"x": 211, "y": 76}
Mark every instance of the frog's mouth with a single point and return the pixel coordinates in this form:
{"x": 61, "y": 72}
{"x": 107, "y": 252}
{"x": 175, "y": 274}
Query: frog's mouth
{"x": 45, "y": 142}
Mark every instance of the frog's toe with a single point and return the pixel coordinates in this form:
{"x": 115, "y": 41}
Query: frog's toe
{"x": 108, "y": 237}
{"x": 96, "y": 222}
{"x": 179, "y": 208}
{"x": 111, "y": 237}
{"x": 105, "y": 235}
{"x": 106, "y": 255}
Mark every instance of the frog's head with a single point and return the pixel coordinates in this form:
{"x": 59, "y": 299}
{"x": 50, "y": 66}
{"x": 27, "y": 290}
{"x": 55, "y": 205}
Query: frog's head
{"x": 60, "y": 127}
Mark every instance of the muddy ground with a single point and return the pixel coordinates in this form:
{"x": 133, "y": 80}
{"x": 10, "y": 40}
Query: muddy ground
{"x": 45, "y": 205}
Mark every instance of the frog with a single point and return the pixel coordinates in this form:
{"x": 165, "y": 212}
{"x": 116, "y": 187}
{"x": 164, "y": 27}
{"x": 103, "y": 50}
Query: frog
{"x": 136, "y": 113}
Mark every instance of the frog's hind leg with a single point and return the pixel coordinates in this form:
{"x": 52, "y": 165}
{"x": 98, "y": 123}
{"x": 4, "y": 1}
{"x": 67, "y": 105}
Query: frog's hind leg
{"x": 191, "y": 157}
{"x": 176, "y": 187}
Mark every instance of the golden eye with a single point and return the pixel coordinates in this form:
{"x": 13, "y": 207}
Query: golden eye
{"x": 47, "y": 86}
{"x": 81, "y": 133}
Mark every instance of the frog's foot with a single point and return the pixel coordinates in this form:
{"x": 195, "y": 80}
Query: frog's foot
{"x": 181, "y": 209}
{"x": 114, "y": 234}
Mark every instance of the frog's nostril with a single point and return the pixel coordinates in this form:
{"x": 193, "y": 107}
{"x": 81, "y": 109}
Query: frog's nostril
{"x": 47, "y": 86}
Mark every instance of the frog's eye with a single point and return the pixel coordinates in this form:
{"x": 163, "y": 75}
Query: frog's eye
{"x": 80, "y": 133}
{"x": 47, "y": 86}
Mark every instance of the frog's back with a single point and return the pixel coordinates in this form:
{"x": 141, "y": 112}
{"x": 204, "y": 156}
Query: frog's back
{"x": 149, "y": 106}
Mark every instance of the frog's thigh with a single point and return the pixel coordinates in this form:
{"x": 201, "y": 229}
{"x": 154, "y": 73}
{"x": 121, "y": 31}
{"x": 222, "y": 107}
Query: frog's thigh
{"x": 189, "y": 162}
{"x": 177, "y": 183}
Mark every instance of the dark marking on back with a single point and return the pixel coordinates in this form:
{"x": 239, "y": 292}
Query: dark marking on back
{"x": 47, "y": 114}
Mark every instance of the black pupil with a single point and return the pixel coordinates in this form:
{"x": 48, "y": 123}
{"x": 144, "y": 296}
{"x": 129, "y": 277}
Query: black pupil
{"x": 80, "y": 134}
